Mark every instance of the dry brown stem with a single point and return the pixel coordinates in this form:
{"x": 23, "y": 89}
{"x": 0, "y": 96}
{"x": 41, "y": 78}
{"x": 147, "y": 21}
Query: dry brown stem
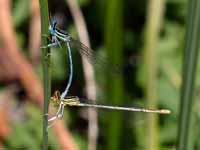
{"x": 34, "y": 32}
{"x": 88, "y": 73}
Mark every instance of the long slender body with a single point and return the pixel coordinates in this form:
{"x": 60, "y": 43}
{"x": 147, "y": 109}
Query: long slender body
{"x": 161, "y": 111}
{"x": 71, "y": 72}
{"x": 63, "y": 37}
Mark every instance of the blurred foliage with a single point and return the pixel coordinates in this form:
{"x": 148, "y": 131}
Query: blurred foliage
{"x": 26, "y": 133}
{"x": 113, "y": 36}
{"x": 19, "y": 9}
{"x": 169, "y": 58}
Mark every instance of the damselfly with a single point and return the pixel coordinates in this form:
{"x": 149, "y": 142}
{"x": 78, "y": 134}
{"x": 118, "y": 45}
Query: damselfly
{"x": 76, "y": 101}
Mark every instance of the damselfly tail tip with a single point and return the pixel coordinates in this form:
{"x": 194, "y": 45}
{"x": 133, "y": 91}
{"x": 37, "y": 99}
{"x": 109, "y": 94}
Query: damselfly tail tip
{"x": 165, "y": 111}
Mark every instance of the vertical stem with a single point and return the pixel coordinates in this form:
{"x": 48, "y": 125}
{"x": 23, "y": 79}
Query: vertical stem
{"x": 189, "y": 72}
{"x": 114, "y": 46}
{"x": 154, "y": 18}
{"x": 46, "y": 69}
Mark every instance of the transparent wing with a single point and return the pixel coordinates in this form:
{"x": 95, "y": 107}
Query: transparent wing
{"x": 98, "y": 61}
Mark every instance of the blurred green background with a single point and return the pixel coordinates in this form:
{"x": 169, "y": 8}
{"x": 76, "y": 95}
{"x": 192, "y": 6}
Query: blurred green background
{"x": 146, "y": 40}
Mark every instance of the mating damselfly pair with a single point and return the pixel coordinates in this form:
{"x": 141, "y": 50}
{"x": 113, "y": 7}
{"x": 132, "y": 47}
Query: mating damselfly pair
{"x": 57, "y": 37}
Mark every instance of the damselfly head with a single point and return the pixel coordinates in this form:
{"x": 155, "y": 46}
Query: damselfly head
{"x": 52, "y": 26}
{"x": 56, "y": 97}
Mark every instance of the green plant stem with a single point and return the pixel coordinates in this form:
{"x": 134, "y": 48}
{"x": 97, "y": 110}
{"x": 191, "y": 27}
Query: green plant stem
{"x": 114, "y": 47}
{"x": 189, "y": 72}
{"x": 154, "y": 18}
{"x": 46, "y": 69}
